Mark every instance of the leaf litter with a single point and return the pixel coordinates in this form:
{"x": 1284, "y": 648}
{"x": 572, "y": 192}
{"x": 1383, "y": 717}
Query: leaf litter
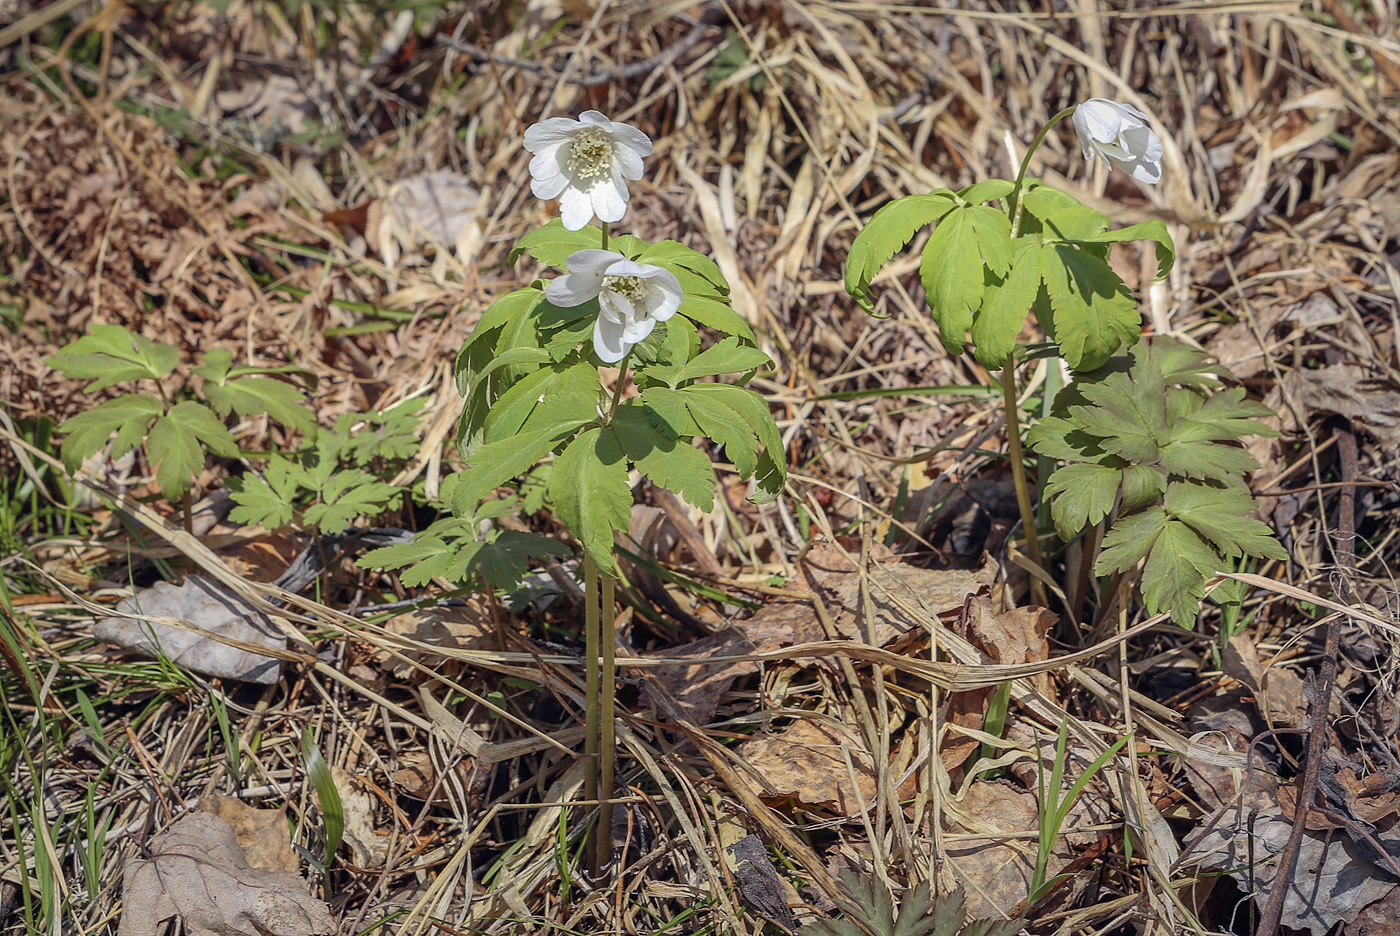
{"x": 1297, "y": 298}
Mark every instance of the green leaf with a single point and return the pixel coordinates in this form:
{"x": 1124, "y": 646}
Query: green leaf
{"x": 670, "y": 253}
{"x": 512, "y": 307}
{"x": 1209, "y": 460}
{"x": 727, "y": 356}
{"x": 129, "y": 416}
{"x": 1176, "y": 572}
{"x": 1083, "y": 495}
{"x": 268, "y": 501}
{"x": 1075, "y": 224}
{"x": 1225, "y": 517}
{"x": 553, "y": 243}
{"x": 716, "y": 314}
{"x": 429, "y": 555}
{"x": 726, "y": 428}
{"x": 989, "y": 190}
{"x": 590, "y": 493}
{"x": 992, "y": 229}
{"x": 1142, "y": 485}
{"x": 1041, "y": 202}
{"x": 347, "y": 495}
{"x": 109, "y": 354}
{"x": 1004, "y": 306}
{"x": 174, "y": 445}
{"x": 1153, "y": 230}
{"x": 673, "y": 464}
{"x": 1225, "y": 415}
{"x": 502, "y": 562}
{"x": 892, "y": 227}
{"x": 250, "y": 396}
{"x": 1131, "y": 538}
{"x": 669, "y": 413}
{"x": 552, "y": 394}
{"x": 1057, "y": 437}
{"x": 496, "y": 463}
{"x": 951, "y": 270}
{"x": 771, "y": 470}
{"x": 1093, "y": 314}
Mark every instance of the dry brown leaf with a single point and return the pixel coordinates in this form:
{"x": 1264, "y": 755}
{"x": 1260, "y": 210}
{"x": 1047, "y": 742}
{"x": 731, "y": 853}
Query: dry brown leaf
{"x": 418, "y": 777}
{"x": 1350, "y": 390}
{"x": 206, "y": 604}
{"x": 807, "y": 762}
{"x": 198, "y": 873}
{"x": 261, "y": 833}
{"x": 459, "y": 627}
{"x": 1334, "y": 880}
{"x": 369, "y": 846}
{"x": 1278, "y": 691}
{"x": 997, "y": 874}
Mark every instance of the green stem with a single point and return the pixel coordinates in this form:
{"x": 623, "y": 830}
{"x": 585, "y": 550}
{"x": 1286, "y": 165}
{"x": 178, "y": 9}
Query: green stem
{"x": 1015, "y": 196}
{"x": 621, "y": 382}
{"x": 605, "y": 234}
{"x": 607, "y": 743}
{"x": 1018, "y": 475}
{"x": 590, "y": 662}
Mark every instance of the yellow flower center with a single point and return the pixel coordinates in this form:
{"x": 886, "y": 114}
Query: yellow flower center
{"x": 630, "y": 286}
{"x": 591, "y": 154}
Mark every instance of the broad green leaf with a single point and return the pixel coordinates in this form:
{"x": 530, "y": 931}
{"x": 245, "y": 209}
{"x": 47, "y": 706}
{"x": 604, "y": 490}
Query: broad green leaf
{"x": 269, "y": 501}
{"x": 524, "y": 357}
{"x": 553, "y": 243}
{"x": 1209, "y": 460}
{"x": 673, "y": 464}
{"x": 1042, "y": 201}
{"x": 129, "y": 416}
{"x": 1005, "y": 305}
{"x": 1074, "y": 224}
{"x": 550, "y": 394}
{"x": 217, "y": 364}
{"x": 887, "y": 233}
{"x": 1176, "y": 572}
{"x": 989, "y": 190}
{"x": 430, "y": 557}
{"x": 1130, "y": 538}
{"x": 1057, "y": 437}
{"x": 693, "y": 284}
{"x": 1083, "y": 495}
{"x": 1225, "y": 517}
{"x": 590, "y": 493}
{"x": 250, "y": 396}
{"x": 502, "y": 562}
{"x": 563, "y": 340}
{"x": 715, "y": 314}
{"x": 993, "y": 232}
{"x": 1142, "y": 485}
{"x": 347, "y": 495}
{"x": 1226, "y": 414}
{"x": 492, "y": 465}
{"x": 671, "y": 252}
{"x": 511, "y": 307}
{"x": 1153, "y": 230}
{"x": 668, "y": 412}
{"x": 176, "y": 444}
{"x": 721, "y": 423}
{"x": 109, "y": 354}
{"x": 1093, "y": 314}
{"x": 770, "y": 476}
{"x": 727, "y": 356}
{"x": 951, "y": 270}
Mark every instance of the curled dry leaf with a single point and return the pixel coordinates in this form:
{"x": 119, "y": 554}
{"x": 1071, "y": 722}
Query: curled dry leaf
{"x": 369, "y": 846}
{"x": 208, "y": 605}
{"x": 807, "y": 761}
{"x": 261, "y": 833}
{"x": 197, "y": 872}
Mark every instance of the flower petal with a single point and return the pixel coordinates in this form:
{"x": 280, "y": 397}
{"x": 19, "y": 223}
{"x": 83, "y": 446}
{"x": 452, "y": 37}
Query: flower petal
{"x": 555, "y": 130}
{"x": 608, "y": 341}
{"x": 548, "y": 187}
{"x": 573, "y": 289}
{"x": 616, "y": 306}
{"x": 664, "y": 293}
{"x": 631, "y": 137}
{"x": 594, "y": 260}
{"x": 628, "y": 162}
{"x": 575, "y": 208}
{"x": 596, "y": 119}
{"x": 609, "y": 200}
{"x": 633, "y": 332}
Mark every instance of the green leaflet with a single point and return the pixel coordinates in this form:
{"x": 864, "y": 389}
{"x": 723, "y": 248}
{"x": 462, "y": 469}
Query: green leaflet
{"x": 1154, "y": 436}
{"x": 109, "y": 354}
{"x": 589, "y": 491}
{"x": 887, "y": 233}
{"x": 1092, "y": 313}
{"x": 671, "y": 463}
{"x": 727, "y": 356}
{"x": 951, "y": 270}
{"x": 494, "y": 464}
{"x": 174, "y": 444}
{"x": 129, "y": 416}
{"x": 1005, "y": 303}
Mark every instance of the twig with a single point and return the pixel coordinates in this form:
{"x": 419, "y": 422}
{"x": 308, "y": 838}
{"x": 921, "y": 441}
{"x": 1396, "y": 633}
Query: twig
{"x": 595, "y": 76}
{"x": 1320, "y": 704}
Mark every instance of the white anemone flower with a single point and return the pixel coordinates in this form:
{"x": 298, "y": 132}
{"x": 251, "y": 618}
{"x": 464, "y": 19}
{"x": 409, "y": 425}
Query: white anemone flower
{"x": 585, "y": 163}
{"x": 1119, "y": 135}
{"x": 632, "y": 298}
